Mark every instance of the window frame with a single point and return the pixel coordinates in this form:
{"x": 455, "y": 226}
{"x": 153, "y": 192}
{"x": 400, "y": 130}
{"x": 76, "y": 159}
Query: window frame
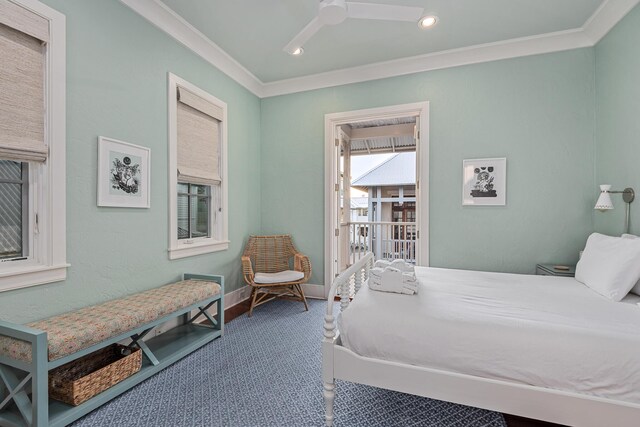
{"x": 47, "y": 181}
{"x": 182, "y": 248}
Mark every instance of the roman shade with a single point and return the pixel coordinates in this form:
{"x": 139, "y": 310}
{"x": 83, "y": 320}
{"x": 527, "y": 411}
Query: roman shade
{"x": 198, "y": 139}
{"x": 22, "y": 99}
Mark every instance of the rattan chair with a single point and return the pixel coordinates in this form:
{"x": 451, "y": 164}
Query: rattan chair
{"x": 267, "y": 267}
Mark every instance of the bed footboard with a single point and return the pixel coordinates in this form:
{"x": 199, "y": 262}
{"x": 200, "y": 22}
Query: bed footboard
{"x": 346, "y": 285}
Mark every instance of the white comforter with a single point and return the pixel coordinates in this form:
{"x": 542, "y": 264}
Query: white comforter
{"x": 546, "y": 331}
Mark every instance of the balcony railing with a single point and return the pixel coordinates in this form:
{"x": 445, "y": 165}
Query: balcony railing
{"x": 387, "y": 240}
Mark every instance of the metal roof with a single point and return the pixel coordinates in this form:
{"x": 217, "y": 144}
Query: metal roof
{"x": 389, "y": 144}
{"x": 398, "y": 170}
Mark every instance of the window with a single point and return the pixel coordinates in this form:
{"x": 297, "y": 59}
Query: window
{"x": 197, "y": 163}
{"x": 194, "y": 205}
{"x": 14, "y": 210}
{"x": 405, "y": 212}
{"x": 32, "y": 145}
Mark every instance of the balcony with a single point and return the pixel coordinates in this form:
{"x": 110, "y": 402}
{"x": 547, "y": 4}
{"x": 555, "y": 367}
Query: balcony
{"x": 387, "y": 241}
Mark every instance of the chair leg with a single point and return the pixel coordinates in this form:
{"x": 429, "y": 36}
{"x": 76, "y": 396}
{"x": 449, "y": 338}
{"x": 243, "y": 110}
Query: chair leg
{"x": 254, "y": 293}
{"x": 304, "y": 300}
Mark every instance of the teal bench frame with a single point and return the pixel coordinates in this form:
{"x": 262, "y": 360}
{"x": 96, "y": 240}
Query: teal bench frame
{"x": 19, "y": 379}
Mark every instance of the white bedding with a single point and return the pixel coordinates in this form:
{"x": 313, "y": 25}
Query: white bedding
{"x": 546, "y": 331}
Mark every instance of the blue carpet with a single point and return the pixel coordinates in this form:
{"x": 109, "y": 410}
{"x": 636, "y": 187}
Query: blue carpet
{"x": 265, "y": 371}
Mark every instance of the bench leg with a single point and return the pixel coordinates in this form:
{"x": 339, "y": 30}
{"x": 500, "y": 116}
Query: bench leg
{"x": 220, "y": 315}
{"x": 40, "y": 381}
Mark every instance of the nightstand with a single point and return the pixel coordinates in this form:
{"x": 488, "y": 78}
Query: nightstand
{"x": 550, "y": 270}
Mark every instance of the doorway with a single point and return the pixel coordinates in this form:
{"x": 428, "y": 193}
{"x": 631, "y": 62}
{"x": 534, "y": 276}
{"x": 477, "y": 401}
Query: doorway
{"x": 376, "y": 188}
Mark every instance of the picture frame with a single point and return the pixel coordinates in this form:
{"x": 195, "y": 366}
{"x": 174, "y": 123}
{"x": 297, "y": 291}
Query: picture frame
{"x": 124, "y": 174}
{"x": 484, "y": 182}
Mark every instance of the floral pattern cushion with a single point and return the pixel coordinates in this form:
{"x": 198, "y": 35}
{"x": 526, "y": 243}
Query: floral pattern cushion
{"x": 71, "y": 332}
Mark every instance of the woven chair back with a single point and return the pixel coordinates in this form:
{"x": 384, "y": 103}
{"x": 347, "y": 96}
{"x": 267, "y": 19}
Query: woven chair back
{"x": 270, "y": 254}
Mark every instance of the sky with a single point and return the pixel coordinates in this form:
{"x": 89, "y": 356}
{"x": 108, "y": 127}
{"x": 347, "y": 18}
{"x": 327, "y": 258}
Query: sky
{"x": 363, "y": 164}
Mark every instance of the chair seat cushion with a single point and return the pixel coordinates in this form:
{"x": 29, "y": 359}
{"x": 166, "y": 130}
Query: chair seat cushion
{"x": 71, "y": 332}
{"x": 280, "y": 277}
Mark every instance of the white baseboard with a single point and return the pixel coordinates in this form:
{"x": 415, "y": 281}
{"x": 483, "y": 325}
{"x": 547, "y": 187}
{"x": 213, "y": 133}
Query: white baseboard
{"x": 237, "y": 296}
{"x": 313, "y": 291}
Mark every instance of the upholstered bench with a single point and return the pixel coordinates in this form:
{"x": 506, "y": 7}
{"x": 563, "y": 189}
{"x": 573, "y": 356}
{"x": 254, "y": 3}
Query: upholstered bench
{"x": 40, "y": 346}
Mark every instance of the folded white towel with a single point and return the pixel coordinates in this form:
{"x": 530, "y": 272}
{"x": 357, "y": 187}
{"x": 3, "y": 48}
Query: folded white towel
{"x": 402, "y": 265}
{"x": 409, "y": 277}
{"x": 376, "y": 274}
{"x": 381, "y": 263}
{"x": 392, "y": 280}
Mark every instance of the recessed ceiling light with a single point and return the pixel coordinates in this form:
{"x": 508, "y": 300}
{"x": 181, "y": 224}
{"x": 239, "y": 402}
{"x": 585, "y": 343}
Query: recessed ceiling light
{"x": 427, "y": 21}
{"x": 297, "y": 51}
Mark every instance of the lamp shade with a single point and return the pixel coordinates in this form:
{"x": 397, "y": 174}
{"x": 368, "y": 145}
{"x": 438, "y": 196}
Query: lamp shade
{"x": 604, "y": 202}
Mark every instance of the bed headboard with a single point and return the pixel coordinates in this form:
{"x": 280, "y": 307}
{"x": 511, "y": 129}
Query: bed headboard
{"x": 346, "y": 285}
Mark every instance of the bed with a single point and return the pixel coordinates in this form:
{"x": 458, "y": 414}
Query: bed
{"x": 536, "y": 346}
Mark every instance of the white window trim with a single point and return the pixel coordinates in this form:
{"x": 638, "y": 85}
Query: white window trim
{"x": 191, "y": 247}
{"x": 49, "y": 261}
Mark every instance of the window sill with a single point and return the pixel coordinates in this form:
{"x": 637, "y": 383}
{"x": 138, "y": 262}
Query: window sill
{"x": 32, "y": 276}
{"x": 198, "y": 248}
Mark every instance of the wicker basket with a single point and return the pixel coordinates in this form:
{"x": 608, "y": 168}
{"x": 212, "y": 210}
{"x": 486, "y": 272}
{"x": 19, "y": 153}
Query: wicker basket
{"x": 80, "y": 380}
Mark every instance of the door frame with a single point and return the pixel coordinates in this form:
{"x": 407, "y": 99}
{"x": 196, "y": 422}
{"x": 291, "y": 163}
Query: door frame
{"x": 331, "y": 121}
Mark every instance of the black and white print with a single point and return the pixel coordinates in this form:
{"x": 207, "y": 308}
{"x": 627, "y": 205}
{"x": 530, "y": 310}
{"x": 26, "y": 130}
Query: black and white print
{"x": 123, "y": 174}
{"x": 484, "y": 182}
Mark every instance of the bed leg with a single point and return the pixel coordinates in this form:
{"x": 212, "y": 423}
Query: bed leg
{"x": 329, "y": 396}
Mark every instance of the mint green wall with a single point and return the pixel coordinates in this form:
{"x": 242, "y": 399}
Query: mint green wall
{"x": 618, "y": 120}
{"x": 117, "y": 67}
{"x": 537, "y": 111}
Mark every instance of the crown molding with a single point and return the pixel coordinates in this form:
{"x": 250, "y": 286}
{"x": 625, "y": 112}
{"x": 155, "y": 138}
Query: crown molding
{"x": 177, "y": 27}
{"x": 547, "y": 43}
{"x": 606, "y": 17}
{"x": 596, "y": 27}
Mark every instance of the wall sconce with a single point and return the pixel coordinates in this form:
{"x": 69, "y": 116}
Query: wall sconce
{"x": 605, "y": 203}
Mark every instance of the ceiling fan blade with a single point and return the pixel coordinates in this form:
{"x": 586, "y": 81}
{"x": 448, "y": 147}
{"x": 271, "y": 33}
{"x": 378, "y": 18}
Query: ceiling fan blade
{"x": 304, "y": 35}
{"x": 385, "y": 12}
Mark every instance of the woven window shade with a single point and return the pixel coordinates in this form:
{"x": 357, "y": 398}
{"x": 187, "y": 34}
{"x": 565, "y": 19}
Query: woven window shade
{"x": 22, "y": 106}
{"x": 200, "y": 104}
{"x": 198, "y": 140}
{"x": 24, "y": 20}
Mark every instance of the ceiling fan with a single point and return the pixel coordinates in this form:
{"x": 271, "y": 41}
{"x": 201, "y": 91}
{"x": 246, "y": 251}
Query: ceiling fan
{"x": 334, "y": 12}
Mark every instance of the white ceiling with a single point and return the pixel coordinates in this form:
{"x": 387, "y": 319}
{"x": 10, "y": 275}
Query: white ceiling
{"x": 245, "y": 38}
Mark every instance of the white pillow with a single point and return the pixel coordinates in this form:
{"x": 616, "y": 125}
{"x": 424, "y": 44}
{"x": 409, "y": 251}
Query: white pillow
{"x": 610, "y": 265}
{"x": 636, "y": 288}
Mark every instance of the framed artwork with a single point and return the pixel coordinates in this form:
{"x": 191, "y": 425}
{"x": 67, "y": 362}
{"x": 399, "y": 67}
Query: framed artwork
{"x": 124, "y": 172}
{"x": 484, "y": 182}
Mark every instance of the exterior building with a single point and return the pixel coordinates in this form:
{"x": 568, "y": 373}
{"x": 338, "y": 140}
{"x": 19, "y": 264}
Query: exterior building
{"x": 391, "y": 208}
{"x": 392, "y": 189}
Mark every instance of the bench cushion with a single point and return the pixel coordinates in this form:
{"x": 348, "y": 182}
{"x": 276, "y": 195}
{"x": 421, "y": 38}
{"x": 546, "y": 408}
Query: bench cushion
{"x": 74, "y": 331}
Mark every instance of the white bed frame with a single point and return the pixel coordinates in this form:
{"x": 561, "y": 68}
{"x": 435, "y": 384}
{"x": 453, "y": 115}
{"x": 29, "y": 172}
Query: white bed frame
{"x": 529, "y": 401}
